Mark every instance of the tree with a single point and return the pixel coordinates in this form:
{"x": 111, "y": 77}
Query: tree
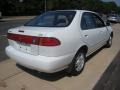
{"x": 30, "y": 7}
{"x": 110, "y": 6}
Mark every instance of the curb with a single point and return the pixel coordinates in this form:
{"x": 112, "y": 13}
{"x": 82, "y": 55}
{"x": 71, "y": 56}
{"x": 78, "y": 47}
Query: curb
{"x": 17, "y": 18}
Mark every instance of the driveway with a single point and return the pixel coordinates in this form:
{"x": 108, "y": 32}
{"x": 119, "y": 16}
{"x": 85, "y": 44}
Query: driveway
{"x": 16, "y": 77}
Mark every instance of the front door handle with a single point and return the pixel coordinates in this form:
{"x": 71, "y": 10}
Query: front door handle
{"x": 86, "y": 35}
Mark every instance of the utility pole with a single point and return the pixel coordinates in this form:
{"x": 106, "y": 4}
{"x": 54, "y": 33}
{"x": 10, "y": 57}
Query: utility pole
{"x": 45, "y": 5}
{"x": 20, "y": 1}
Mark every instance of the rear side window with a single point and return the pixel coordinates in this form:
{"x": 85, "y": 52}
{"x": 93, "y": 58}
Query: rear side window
{"x": 83, "y": 24}
{"x": 87, "y": 21}
{"x": 53, "y": 19}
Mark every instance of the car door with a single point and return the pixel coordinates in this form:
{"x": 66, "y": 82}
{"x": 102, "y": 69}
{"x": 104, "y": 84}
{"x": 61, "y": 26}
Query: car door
{"x": 102, "y": 29}
{"x": 90, "y": 33}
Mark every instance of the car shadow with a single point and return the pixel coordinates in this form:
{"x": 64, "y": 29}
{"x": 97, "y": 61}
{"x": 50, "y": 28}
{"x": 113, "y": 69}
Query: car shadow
{"x": 52, "y": 76}
{"x": 95, "y": 53}
{"x": 45, "y": 76}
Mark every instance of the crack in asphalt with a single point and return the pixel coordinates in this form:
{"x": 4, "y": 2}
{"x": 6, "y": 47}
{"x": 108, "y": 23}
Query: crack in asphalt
{"x": 12, "y": 76}
{"x": 3, "y": 35}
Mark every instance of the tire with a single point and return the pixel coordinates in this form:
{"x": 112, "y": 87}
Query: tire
{"x": 77, "y": 66}
{"x": 109, "y": 42}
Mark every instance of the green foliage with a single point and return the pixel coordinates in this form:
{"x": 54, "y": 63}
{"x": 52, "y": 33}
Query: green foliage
{"x": 33, "y": 7}
{"x": 110, "y": 6}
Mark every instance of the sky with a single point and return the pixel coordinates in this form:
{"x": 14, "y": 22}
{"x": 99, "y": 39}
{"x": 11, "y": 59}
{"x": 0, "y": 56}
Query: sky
{"x": 116, "y": 1}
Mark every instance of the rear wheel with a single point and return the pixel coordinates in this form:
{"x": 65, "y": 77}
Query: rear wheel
{"x": 78, "y": 64}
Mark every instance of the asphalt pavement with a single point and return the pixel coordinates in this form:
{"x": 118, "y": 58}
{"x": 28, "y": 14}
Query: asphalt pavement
{"x": 110, "y": 80}
{"x": 4, "y": 26}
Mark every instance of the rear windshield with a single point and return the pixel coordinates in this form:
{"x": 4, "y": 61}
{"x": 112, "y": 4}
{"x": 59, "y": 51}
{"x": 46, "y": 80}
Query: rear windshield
{"x": 52, "y": 19}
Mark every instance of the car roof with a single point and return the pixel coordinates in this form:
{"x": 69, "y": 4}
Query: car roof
{"x": 76, "y": 10}
{"x": 79, "y": 11}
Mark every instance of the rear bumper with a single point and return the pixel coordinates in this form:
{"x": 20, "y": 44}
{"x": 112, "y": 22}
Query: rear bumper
{"x": 40, "y": 63}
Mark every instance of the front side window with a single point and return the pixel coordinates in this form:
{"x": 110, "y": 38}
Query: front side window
{"x": 98, "y": 21}
{"x": 53, "y": 19}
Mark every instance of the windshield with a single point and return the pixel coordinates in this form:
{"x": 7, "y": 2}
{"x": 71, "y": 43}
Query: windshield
{"x": 53, "y": 19}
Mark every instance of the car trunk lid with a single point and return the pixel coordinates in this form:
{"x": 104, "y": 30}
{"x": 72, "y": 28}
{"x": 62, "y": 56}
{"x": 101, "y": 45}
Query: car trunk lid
{"x": 25, "y": 39}
{"x": 32, "y": 39}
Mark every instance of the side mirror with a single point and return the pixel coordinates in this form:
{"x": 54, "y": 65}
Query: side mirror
{"x": 108, "y": 23}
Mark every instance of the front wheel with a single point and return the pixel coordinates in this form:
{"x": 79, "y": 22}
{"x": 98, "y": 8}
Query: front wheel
{"x": 109, "y": 42}
{"x": 78, "y": 64}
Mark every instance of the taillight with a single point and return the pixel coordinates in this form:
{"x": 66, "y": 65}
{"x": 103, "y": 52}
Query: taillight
{"x": 48, "y": 41}
{"x": 42, "y": 41}
{"x": 23, "y": 38}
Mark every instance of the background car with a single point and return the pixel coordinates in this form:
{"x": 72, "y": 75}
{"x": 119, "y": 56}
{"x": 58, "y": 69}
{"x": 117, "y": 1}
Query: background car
{"x": 114, "y": 18}
{"x": 58, "y": 40}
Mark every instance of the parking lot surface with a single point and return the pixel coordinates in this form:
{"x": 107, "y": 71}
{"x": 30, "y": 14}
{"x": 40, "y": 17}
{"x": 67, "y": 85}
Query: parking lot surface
{"x": 15, "y": 77}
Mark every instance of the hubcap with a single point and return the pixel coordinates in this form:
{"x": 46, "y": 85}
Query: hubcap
{"x": 110, "y": 41}
{"x": 79, "y": 63}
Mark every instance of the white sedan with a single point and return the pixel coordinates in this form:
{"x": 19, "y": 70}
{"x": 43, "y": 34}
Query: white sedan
{"x": 58, "y": 40}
